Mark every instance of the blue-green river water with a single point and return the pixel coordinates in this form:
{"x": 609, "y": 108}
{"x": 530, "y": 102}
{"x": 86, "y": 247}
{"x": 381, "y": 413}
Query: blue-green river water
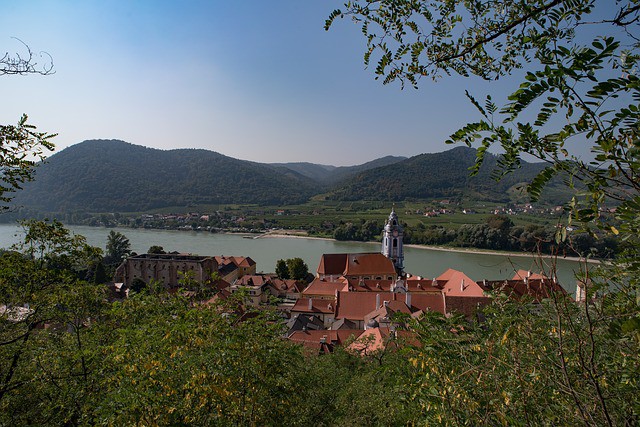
{"x": 266, "y": 251}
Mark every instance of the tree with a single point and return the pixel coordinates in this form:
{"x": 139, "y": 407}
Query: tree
{"x": 282, "y": 271}
{"x": 298, "y": 269}
{"x": 118, "y": 247}
{"x": 577, "y": 89}
{"x": 155, "y": 249}
{"x": 41, "y": 284}
{"x": 25, "y": 63}
{"x": 21, "y": 146}
{"x": 590, "y": 83}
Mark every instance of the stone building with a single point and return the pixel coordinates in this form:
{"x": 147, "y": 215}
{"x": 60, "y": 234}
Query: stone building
{"x": 165, "y": 268}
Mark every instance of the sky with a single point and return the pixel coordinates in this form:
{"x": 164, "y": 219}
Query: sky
{"x": 256, "y": 80}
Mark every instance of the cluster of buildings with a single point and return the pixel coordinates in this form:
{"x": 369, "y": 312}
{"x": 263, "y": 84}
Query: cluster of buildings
{"x": 360, "y": 297}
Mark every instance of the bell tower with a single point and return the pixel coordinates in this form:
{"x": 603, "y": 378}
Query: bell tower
{"x": 392, "y": 241}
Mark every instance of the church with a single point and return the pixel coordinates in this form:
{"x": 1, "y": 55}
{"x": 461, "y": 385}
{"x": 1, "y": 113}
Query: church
{"x": 388, "y": 264}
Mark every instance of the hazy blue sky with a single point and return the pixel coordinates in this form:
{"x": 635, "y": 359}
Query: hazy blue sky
{"x": 258, "y": 80}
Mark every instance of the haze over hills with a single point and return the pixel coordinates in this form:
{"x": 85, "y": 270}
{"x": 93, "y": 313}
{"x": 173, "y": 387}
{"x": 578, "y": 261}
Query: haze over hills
{"x": 115, "y": 176}
{"x": 327, "y": 174}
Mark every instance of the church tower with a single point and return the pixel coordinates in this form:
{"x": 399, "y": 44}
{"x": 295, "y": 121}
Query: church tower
{"x": 392, "y": 241}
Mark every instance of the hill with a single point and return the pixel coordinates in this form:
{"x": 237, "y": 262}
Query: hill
{"x": 326, "y": 174}
{"x": 115, "y": 176}
{"x": 111, "y": 175}
{"x": 438, "y": 175}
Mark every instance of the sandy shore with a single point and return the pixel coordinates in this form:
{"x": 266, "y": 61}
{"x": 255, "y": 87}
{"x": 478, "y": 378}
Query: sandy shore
{"x": 280, "y": 234}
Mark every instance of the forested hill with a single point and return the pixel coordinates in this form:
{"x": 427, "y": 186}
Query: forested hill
{"x": 328, "y": 175}
{"x": 115, "y": 176}
{"x": 111, "y": 175}
{"x": 438, "y": 175}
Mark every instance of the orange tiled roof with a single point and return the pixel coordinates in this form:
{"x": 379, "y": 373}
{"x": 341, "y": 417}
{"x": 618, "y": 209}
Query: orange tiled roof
{"x": 538, "y": 289}
{"x": 239, "y": 261}
{"x": 356, "y": 305}
{"x": 287, "y": 285}
{"x": 332, "y": 264}
{"x": 424, "y": 285}
{"x": 369, "y": 264}
{"x": 371, "y": 340}
{"x": 253, "y": 280}
{"x": 370, "y": 285}
{"x": 317, "y": 306}
{"x": 358, "y": 264}
{"x": 458, "y": 283}
{"x": 428, "y": 302}
{"x": 524, "y": 274}
{"x": 465, "y": 305}
{"x": 322, "y": 287}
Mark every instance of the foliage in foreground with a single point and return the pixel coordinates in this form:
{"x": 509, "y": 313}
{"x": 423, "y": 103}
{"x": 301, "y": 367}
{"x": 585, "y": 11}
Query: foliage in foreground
{"x": 155, "y": 358}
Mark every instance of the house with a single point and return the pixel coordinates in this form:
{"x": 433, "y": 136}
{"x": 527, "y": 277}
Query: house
{"x": 234, "y": 267}
{"x": 303, "y": 322}
{"x": 322, "y": 308}
{"x": 255, "y": 285}
{"x": 285, "y": 288}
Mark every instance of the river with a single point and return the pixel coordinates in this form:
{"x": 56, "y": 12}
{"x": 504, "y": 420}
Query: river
{"x": 266, "y": 251}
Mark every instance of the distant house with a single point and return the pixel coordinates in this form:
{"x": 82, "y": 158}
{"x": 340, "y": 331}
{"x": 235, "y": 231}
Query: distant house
{"x": 234, "y": 267}
{"x": 322, "y": 308}
{"x": 285, "y": 288}
{"x": 254, "y": 285}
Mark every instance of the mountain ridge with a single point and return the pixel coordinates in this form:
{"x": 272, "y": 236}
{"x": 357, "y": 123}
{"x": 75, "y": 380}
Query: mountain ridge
{"x": 117, "y": 176}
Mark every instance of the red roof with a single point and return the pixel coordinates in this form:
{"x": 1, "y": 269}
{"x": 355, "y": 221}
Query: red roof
{"x": 524, "y": 274}
{"x": 239, "y": 261}
{"x": 317, "y": 306}
{"x": 287, "y": 285}
{"x": 538, "y": 289}
{"x": 322, "y": 287}
{"x": 358, "y": 264}
{"x": 370, "y": 285}
{"x": 424, "y": 285}
{"x": 356, "y": 305}
{"x": 458, "y": 283}
{"x": 332, "y": 264}
{"x": 428, "y": 302}
{"x": 369, "y": 264}
{"x": 465, "y": 305}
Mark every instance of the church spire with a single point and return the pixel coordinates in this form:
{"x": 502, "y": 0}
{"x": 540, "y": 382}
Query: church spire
{"x": 392, "y": 241}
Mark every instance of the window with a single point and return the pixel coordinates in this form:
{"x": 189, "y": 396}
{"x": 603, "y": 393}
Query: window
{"x": 395, "y": 243}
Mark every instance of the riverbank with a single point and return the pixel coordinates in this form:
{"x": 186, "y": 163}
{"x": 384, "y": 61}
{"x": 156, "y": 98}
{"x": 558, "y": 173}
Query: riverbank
{"x": 301, "y": 234}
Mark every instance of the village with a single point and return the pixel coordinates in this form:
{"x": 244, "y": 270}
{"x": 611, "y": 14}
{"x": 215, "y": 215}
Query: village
{"x": 363, "y": 299}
